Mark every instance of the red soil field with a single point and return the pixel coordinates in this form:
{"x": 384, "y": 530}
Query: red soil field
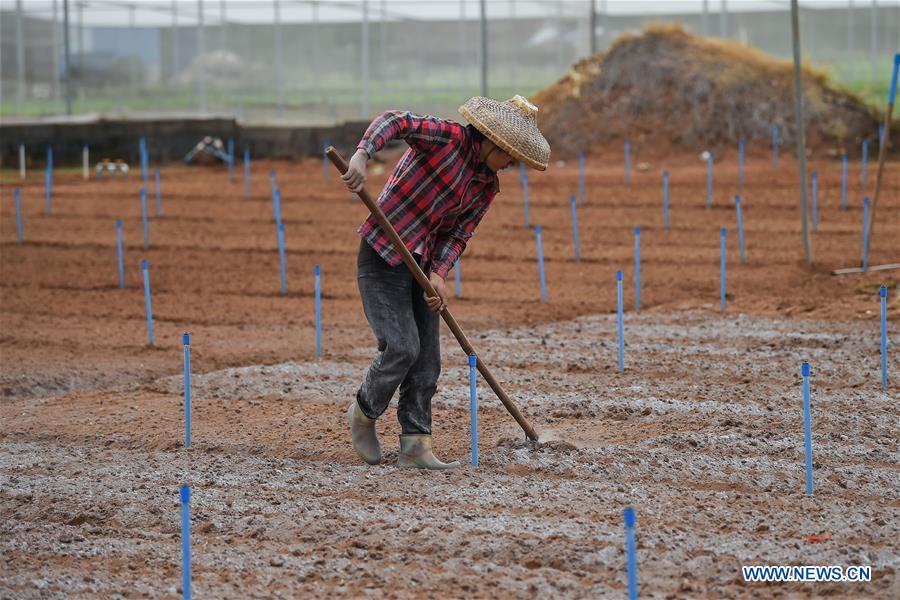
{"x": 92, "y": 451}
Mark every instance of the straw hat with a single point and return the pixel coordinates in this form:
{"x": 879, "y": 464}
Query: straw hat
{"x": 512, "y": 126}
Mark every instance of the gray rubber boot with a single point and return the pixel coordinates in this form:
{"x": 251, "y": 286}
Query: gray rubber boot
{"x": 416, "y": 453}
{"x": 362, "y": 432}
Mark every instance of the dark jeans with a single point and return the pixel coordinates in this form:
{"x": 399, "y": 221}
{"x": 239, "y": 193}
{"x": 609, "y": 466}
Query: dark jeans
{"x": 409, "y": 349}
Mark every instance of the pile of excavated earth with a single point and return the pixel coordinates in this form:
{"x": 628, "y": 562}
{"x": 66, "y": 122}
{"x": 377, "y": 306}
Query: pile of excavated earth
{"x": 674, "y": 91}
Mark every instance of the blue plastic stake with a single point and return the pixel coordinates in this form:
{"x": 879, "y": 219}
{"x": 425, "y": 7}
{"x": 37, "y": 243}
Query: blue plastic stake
{"x": 144, "y": 217}
{"x": 575, "y": 228}
{"x": 473, "y": 407}
{"x": 882, "y": 292}
{"x": 540, "y": 251}
{"x": 844, "y": 182}
{"x": 865, "y": 163}
{"x": 620, "y": 326}
{"x": 892, "y": 93}
{"x": 808, "y": 429}
{"x": 18, "y": 201}
{"x": 276, "y": 205}
{"x": 581, "y": 178}
{"x": 147, "y": 300}
{"x": 666, "y": 200}
{"x": 775, "y": 145}
{"x": 186, "y": 341}
{"x": 630, "y": 521}
{"x": 865, "y": 243}
{"x": 740, "y": 224}
{"x": 709, "y": 179}
{"x": 325, "y": 159}
{"x": 318, "y": 272}
{"x": 637, "y": 268}
{"x": 458, "y": 282}
{"x": 144, "y": 161}
{"x": 246, "y": 172}
{"x": 281, "y": 256}
{"x": 272, "y": 183}
{"x": 627, "y": 162}
{"x": 231, "y": 158}
{"x": 741, "y": 161}
{"x": 185, "y": 542}
{"x": 815, "y": 201}
{"x": 158, "y": 194}
{"x": 524, "y": 177}
{"x": 48, "y": 183}
{"x": 120, "y": 253}
{"x": 722, "y": 270}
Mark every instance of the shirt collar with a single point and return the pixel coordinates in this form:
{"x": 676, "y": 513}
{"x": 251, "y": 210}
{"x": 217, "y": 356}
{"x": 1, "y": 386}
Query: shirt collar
{"x": 478, "y": 166}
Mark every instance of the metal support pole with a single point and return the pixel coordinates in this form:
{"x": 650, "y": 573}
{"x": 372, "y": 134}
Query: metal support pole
{"x": 463, "y": 46}
{"x": 851, "y": 46}
{"x": 592, "y": 33}
{"x": 223, "y": 27}
{"x": 315, "y": 47}
{"x": 174, "y": 41}
{"x": 882, "y": 154}
{"x": 800, "y": 128}
{"x": 279, "y": 68}
{"x": 560, "y": 45}
{"x": 382, "y": 37}
{"x": 364, "y": 43}
{"x": 705, "y": 18}
{"x": 20, "y": 58}
{"x": 873, "y": 39}
{"x": 484, "y": 50}
{"x": 54, "y": 80}
{"x": 68, "y": 57}
{"x": 134, "y": 51}
{"x": 514, "y": 55}
{"x": 201, "y": 55}
{"x": 80, "y": 6}
{"x": 604, "y": 27}
{"x": 723, "y": 20}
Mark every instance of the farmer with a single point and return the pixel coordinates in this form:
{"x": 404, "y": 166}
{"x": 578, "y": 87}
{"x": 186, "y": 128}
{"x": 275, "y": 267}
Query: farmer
{"x": 435, "y": 198}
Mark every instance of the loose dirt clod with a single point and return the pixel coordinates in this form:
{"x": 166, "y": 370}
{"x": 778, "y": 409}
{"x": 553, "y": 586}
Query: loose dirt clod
{"x": 676, "y": 90}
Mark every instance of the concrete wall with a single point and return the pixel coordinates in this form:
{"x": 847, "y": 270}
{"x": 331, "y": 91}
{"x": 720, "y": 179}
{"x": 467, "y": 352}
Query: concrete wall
{"x": 168, "y": 139}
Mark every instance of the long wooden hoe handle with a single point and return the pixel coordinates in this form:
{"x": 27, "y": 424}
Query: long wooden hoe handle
{"x": 414, "y": 268}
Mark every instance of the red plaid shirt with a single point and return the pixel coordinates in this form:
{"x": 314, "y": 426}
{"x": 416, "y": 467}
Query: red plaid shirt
{"x": 438, "y": 192}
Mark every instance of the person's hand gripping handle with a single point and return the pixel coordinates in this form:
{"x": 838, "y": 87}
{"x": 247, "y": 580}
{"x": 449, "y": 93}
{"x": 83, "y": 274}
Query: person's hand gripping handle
{"x": 355, "y": 176}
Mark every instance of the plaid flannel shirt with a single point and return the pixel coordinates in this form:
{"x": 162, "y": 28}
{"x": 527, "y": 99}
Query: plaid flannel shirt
{"x": 438, "y": 192}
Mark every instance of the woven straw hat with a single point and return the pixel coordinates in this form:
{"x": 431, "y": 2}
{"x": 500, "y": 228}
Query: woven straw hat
{"x": 512, "y": 126}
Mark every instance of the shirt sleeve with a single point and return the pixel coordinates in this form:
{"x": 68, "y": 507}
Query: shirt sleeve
{"x": 421, "y": 133}
{"x": 452, "y": 242}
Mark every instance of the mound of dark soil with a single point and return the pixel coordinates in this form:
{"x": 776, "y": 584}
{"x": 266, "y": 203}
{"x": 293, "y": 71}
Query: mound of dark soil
{"x": 667, "y": 88}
